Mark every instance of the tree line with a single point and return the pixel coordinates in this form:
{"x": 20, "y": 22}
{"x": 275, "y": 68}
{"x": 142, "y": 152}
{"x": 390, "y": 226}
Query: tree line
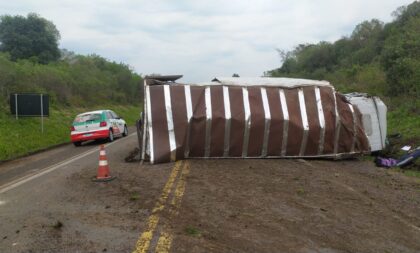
{"x": 378, "y": 58}
{"x": 30, "y": 61}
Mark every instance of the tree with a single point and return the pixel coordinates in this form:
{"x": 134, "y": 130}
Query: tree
{"x": 366, "y": 42}
{"x": 367, "y": 31}
{"x": 31, "y": 37}
{"x": 401, "y": 53}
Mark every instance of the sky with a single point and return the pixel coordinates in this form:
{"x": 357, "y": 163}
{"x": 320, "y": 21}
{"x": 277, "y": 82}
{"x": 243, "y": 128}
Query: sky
{"x": 200, "y": 39}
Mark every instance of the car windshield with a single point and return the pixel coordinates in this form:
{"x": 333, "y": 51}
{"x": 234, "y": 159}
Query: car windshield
{"x": 87, "y": 117}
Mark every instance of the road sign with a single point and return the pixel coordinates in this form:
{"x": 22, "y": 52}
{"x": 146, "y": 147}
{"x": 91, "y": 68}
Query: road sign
{"x": 29, "y": 105}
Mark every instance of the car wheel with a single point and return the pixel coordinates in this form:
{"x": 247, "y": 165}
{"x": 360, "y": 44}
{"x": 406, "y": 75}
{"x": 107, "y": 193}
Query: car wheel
{"x": 111, "y": 136}
{"x": 77, "y": 143}
{"x": 125, "y": 133}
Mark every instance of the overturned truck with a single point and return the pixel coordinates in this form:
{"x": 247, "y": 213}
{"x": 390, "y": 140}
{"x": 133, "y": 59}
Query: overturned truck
{"x": 248, "y": 118}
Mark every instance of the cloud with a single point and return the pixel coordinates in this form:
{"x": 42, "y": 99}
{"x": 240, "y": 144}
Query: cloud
{"x": 200, "y": 39}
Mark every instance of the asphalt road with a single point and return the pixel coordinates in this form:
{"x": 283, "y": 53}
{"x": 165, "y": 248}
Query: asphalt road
{"x": 14, "y": 171}
{"x": 34, "y": 196}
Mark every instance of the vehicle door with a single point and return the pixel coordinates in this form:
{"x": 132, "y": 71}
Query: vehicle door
{"x": 112, "y": 122}
{"x": 119, "y": 122}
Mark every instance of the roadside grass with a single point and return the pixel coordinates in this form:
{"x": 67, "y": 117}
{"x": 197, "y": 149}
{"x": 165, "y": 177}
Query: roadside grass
{"x": 411, "y": 173}
{"x": 192, "y": 231}
{"x": 401, "y": 121}
{"x": 300, "y": 191}
{"x": 404, "y": 117}
{"x": 134, "y": 197}
{"x": 23, "y": 136}
{"x": 407, "y": 172}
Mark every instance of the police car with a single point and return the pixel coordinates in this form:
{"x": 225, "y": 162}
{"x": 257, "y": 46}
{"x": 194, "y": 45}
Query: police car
{"x": 101, "y": 124}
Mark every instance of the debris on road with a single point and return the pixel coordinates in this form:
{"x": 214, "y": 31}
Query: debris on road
{"x": 58, "y": 224}
{"x": 406, "y": 159}
{"x": 132, "y": 157}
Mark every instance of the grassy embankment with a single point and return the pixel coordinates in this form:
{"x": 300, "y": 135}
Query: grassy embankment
{"x": 75, "y": 84}
{"x": 402, "y": 118}
{"x": 23, "y": 136}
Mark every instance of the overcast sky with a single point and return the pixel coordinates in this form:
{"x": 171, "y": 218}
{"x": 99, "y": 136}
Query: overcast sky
{"x": 200, "y": 39}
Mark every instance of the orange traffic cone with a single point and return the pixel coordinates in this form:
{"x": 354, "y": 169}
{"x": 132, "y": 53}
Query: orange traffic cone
{"x": 103, "y": 169}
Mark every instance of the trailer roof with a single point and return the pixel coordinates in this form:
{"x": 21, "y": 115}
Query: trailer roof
{"x": 282, "y": 82}
{"x": 269, "y": 81}
{"x": 159, "y": 79}
{"x": 167, "y": 78}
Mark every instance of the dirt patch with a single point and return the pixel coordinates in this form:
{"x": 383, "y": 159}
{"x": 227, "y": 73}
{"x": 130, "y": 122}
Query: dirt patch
{"x": 297, "y": 206}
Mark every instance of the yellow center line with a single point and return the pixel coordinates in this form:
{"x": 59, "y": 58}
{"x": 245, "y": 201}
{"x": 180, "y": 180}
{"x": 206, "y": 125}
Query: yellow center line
{"x": 165, "y": 239}
{"x": 180, "y": 188}
{"x": 164, "y": 243}
{"x": 143, "y": 243}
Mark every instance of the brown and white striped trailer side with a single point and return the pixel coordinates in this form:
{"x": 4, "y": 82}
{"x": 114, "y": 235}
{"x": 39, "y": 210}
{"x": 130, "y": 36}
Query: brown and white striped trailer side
{"x": 217, "y": 120}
